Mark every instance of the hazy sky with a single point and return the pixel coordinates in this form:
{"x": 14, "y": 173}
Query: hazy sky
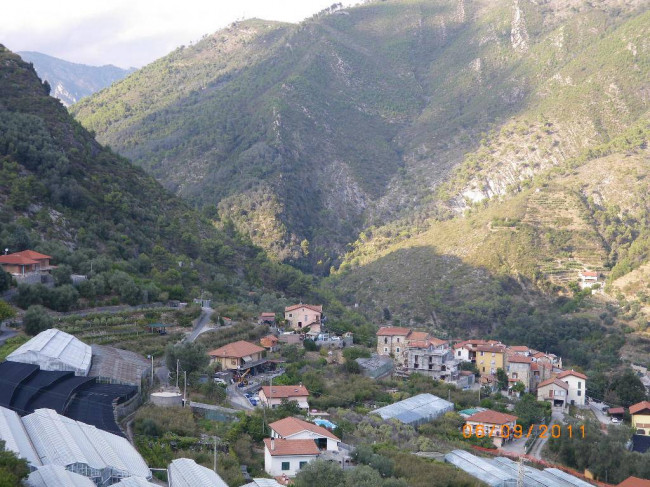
{"x": 131, "y": 32}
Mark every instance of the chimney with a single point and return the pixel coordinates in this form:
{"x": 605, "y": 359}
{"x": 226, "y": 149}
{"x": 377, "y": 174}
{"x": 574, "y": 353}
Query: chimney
{"x": 272, "y": 444}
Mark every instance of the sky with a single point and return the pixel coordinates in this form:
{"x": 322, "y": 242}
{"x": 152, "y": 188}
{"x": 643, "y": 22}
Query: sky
{"x": 131, "y": 32}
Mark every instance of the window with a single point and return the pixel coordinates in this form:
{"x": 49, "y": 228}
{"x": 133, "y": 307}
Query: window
{"x": 385, "y": 339}
{"x": 290, "y": 315}
{"x": 493, "y": 354}
{"x": 397, "y": 339}
{"x": 579, "y": 385}
{"x": 481, "y": 354}
{"x": 301, "y": 464}
{"x": 233, "y": 362}
{"x": 397, "y": 349}
{"x": 514, "y": 375}
{"x": 459, "y": 353}
{"x": 306, "y": 318}
{"x": 286, "y": 465}
{"x": 483, "y": 369}
{"x": 385, "y": 349}
{"x": 579, "y": 393}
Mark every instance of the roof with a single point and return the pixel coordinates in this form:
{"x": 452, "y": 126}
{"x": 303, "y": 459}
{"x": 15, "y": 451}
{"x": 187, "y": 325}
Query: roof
{"x": 416, "y": 410}
{"x": 185, "y": 472}
{"x": 589, "y": 273}
{"x": 620, "y": 410}
{"x": 519, "y": 359}
{"x": 285, "y": 391}
{"x": 475, "y": 342}
{"x": 236, "y": 349}
{"x": 55, "y": 350}
{"x": 263, "y": 483}
{"x": 492, "y": 417}
{"x": 634, "y": 482}
{"x": 280, "y": 447}
{"x": 555, "y": 381}
{"x": 16, "y": 260}
{"x": 14, "y": 434}
{"x": 119, "y": 365}
{"x": 290, "y": 426}
{"x": 567, "y": 373}
{"x": 519, "y": 348}
{"x": 393, "y": 330}
{"x": 491, "y": 348}
{"x": 57, "y": 476}
{"x": 640, "y": 406}
{"x": 418, "y": 335}
{"x": 269, "y": 340}
{"x": 31, "y": 254}
{"x": 58, "y": 440}
{"x": 318, "y": 308}
{"x": 267, "y": 315}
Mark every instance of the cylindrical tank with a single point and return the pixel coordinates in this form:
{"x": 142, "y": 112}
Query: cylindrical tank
{"x": 167, "y": 399}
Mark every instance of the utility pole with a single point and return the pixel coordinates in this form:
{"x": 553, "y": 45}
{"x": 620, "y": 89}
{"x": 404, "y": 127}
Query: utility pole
{"x": 151, "y": 357}
{"x": 215, "y": 454}
{"x": 185, "y": 389}
{"x": 177, "y": 361}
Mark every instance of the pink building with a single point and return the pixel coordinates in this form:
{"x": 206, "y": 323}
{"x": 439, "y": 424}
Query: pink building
{"x": 301, "y": 316}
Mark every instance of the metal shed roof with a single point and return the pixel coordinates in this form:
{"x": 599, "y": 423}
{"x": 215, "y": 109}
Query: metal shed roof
{"x": 55, "y": 350}
{"x": 57, "y": 476}
{"x": 185, "y": 472}
{"x": 416, "y": 409}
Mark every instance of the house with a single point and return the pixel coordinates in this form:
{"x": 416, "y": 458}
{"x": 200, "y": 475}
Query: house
{"x": 270, "y": 342}
{"x": 432, "y": 357}
{"x": 521, "y": 350}
{"x": 27, "y": 265}
{"x": 272, "y": 396}
{"x": 297, "y": 429}
{"x": 634, "y": 482}
{"x": 287, "y": 457}
{"x": 490, "y": 358}
{"x": 577, "y": 383}
{"x": 465, "y": 351}
{"x": 519, "y": 369}
{"x": 301, "y": 315}
{"x": 267, "y": 319}
{"x": 392, "y": 340}
{"x": 640, "y": 413}
{"x": 554, "y": 391}
{"x": 588, "y": 278}
{"x": 237, "y": 355}
{"x": 499, "y": 426}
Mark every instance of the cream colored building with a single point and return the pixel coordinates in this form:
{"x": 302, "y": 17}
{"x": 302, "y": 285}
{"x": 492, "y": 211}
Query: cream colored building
{"x": 301, "y": 316}
{"x": 393, "y": 341}
{"x": 237, "y": 355}
{"x": 577, "y": 383}
{"x": 640, "y": 413}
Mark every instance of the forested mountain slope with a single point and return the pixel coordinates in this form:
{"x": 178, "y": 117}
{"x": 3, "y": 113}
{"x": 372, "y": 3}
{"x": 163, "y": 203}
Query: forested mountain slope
{"x": 64, "y": 194}
{"x": 70, "y": 82}
{"x": 350, "y": 119}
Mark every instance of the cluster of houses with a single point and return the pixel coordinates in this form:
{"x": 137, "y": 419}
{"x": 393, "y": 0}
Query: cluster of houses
{"x": 536, "y": 372}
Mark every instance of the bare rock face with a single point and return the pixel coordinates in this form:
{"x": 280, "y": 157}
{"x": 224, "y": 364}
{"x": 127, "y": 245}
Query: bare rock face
{"x": 518, "y": 33}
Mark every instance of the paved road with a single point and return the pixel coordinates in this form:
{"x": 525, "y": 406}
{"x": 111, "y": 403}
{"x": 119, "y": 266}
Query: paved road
{"x": 237, "y": 399}
{"x": 557, "y": 417}
{"x": 199, "y": 325}
{"x": 6, "y": 333}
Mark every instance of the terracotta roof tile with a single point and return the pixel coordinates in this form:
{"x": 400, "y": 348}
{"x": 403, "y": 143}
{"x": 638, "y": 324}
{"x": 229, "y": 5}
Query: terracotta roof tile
{"x": 236, "y": 349}
{"x": 290, "y": 426}
{"x": 557, "y": 382}
{"x": 634, "y": 482}
{"x": 640, "y": 406}
{"x": 492, "y": 417}
{"x": 285, "y": 391}
{"x": 519, "y": 359}
{"x": 318, "y": 308}
{"x": 16, "y": 260}
{"x": 393, "y": 330}
{"x": 519, "y": 348}
{"x": 418, "y": 335}
{"x": 280, "y": 447}
{"x": 491, "y": 348}
{"x": 567, "y": 373}
{"x": 267, "y": 315}
{"x": 31, "y": 254}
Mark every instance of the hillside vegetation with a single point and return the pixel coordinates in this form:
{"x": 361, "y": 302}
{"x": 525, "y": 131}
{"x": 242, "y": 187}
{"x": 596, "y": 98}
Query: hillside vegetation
{"x": 63, "y": 194}
{"x": 307, "y": 134}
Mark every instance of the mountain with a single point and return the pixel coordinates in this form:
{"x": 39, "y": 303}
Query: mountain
{"x": 304, "y": 135}
{"x": 70, "y": 82}
{"x": 64, "y": 194}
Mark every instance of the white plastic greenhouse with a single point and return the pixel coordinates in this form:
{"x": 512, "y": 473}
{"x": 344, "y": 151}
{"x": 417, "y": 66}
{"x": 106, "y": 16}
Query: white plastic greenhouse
{"x": 184, "y": 472}
{"x": 55, "y": 350}
{"x": 416, "y": 410}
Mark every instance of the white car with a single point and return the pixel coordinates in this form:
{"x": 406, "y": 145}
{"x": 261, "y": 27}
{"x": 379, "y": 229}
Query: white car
{"x": 616, "y": 419}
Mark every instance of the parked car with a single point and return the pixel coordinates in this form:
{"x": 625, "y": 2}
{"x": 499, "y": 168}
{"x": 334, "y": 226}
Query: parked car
{"x": 616, "y": 420}
{"x": 221, "y": 382}
{"x": 605, "y": 409}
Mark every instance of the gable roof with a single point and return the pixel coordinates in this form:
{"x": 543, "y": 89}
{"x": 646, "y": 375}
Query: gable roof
{"x": 519, "y": 359}
{"x": 269, "y": 341}
{"x": 519, "y": 348}
{"x": 557, "y": 382}
{"x": 491, "y": 348}
{"x": 418, "y": 335}
{"x": 290, "y": 447}
{"x": 285, "y": 391}
{"x": 31, "y": 254}
{"x": 236, "y": 349}
{"x": 318, "y": 308}
{"x": 640, "y": 406}
{"x": 290, "y": 426}
{"x": 589, "y": 273}
{"x": 393, "y": 331}
{"x": 16, "y": 260}
{"x": 567, "y": 373}
{"x": 492, "y": 417}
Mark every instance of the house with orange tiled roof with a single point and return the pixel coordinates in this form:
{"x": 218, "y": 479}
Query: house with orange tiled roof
{"x": 554, "y": 391}
{"x": 519, "y": 369}
{"x": 465, "y": 351}
{"x": 431, "y": 357}
{"x": 634, "y": 482}
{"x": 288, "y": 457}
{"x": 26, "y": 265}
{"x": 270, "y": 342}
{"x": 238, "y": 355}
{"x": 301, "y": 316}
{"x": 272, "y": 396}
{"x": 640, "y": 413}
{"x": 393, "y": 341}
{"x": 490, "y": 358}
{"x": 577, "y": 383}
{"x": 296, "y": 429}
{"x": 498, "y": 426}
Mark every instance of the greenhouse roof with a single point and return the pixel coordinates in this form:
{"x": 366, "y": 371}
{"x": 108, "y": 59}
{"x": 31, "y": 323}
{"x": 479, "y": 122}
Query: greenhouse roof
{"x": 416, "y": 409}
{"x": 13, "y": 433}
{"x": 184, "y": 472}
{"x": 57, "y": 476}
{"x": 55, "y": 350}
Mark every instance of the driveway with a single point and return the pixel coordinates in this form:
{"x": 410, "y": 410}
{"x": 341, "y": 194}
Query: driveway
{"x": 597, "y": 408}
{"x": 200, "y": 325}
{"x": 237, "y": 399}
{"x": 557, "y": 417}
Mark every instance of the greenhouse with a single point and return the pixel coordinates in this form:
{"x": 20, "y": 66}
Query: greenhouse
{"x": 57, "y": 476}
{"x": 47, "y": 438}
{"x": 416, "y": 410}
{"x": 55, "y": 350}
{"x": 184, "y": 472}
